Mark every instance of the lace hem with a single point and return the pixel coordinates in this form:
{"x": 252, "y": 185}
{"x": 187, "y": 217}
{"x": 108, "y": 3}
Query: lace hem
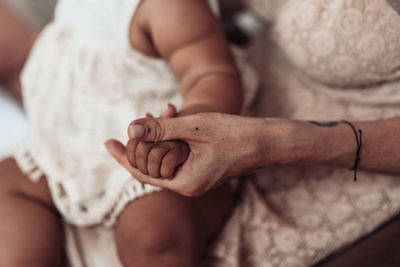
{"x": 27, "y": 164}
{"x": 130, "y": 193}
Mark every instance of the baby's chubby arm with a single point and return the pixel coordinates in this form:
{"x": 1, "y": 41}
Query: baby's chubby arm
{"x": 189, "y": 36}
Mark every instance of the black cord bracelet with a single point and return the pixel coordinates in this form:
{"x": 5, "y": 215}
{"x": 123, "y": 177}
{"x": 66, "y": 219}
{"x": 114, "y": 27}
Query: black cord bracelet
{"x": 358, "y": 135}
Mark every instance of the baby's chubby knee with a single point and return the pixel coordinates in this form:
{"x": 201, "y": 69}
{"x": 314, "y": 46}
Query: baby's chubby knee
{"x": 13, "y": 182}
{"x": 15, "y": 260}
{"x": 154, "y": 243}
{"x": 9, "y": 183}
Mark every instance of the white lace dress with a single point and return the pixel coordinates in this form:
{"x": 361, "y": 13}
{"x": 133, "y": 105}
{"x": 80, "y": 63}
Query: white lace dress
{"x": 82, "y": 85}
{"x": 323, "y": 60}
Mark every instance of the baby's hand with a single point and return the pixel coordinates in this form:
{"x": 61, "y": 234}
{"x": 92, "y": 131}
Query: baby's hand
{"x": 157, "y": 159}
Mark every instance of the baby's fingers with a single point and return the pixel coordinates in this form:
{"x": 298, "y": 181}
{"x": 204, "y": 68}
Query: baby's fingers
{"x": 154, "y": 160}
{"x": 170, "y": 112}
{"x": 142, "y": 153}
{"x": 172, "y": 160}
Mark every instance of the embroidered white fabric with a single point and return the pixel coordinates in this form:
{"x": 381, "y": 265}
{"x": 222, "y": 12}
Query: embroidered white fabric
{"x": 348, "y": 49}
{"x": 82, "y": 85}
{"x": 293, "y": 215}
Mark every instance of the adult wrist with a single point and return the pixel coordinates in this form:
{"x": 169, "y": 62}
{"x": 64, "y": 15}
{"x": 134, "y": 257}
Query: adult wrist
{"x": 283, "y": 141}
{"x": 275, "y": 141}
{"x": 288, "y": 141}
{"x": 324, "y": 143}
{"x": 294, "y": 141}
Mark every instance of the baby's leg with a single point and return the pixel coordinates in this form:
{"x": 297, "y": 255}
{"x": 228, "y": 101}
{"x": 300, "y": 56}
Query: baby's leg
{"x": 165, "y": 229}
{"x": 30, "y": 228}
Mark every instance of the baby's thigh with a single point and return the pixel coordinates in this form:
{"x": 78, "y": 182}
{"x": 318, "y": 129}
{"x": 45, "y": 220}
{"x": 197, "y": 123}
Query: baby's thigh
{"x": 13, "y": 181}
{"x": 30, "y": 228}
{"x": 167, "y": 228}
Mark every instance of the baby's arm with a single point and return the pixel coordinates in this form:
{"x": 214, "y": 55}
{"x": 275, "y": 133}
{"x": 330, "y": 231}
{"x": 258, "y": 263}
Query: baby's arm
{"x": 188, "y": 35}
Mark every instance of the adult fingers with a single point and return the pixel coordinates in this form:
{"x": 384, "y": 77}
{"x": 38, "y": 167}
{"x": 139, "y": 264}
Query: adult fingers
{"x": 118, "y": 152}
{"x": 163, "y": 129}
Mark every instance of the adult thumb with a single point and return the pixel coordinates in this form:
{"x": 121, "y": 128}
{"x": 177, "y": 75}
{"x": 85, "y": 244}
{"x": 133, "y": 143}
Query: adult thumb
{"x": 162, "y": 129}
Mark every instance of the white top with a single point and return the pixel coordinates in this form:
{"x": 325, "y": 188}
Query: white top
{"x": 83, "y": 84}
{"x": 321, "y": 60}
{"x": 349, "y": 50}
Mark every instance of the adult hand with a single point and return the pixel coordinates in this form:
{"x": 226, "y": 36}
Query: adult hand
{"x": 221, "y": 146}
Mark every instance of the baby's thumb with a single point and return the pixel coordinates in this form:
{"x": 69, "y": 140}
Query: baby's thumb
{"x": 170, "y": 112}
{"x": 161, "y": 129}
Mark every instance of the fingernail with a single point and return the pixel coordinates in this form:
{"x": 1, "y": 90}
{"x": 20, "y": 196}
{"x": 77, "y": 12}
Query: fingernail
{"x": 136, "y": 131}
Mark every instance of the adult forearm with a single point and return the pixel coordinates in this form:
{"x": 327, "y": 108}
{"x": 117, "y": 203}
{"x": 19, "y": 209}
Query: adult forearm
{"x": 335, "y": 144}
{"x": 225, "y": 146}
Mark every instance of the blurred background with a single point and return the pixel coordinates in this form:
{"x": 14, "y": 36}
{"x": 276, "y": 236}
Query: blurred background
{"x": 29, "y": 16}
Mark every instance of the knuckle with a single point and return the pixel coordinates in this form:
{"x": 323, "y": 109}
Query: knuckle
{"x": 159, "y": 130}
{"x": 173, "y": 155}
{"x": 143, "y": 168}
{"x": 154, "y": 159}
{"x": 154, "y": 172}
{"x": 131, "y": 145}
{"x": 156, "y": 154}
{"x": 142, "y": 150}
{"x": 169, "y": 162}
{"x": 131, "y": 159}
{"x": 141, "y": 153}
{"x": 167, "y": 171}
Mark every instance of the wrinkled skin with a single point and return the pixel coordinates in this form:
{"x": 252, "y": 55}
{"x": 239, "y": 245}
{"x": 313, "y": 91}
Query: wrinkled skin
{"x": 214, "y": 154}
